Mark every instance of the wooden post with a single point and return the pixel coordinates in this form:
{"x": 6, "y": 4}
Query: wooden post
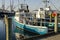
{"x": 56, "y": 24}
{"x": 8, "y": 25}
{"x": 50, "y": 17}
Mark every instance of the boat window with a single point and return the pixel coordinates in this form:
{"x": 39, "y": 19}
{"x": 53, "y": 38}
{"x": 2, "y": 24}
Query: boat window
{"x": 38, "y": 24}
{"x": 21, "y": 14}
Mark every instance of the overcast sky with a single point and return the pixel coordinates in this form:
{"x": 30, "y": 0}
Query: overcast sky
{"x": 33, "y": 4}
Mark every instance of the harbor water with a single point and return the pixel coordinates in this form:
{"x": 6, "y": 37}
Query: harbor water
{"x": 2, "y": 31}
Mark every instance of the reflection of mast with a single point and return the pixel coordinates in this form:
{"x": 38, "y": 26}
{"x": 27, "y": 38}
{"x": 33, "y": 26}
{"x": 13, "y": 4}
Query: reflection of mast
{"x": 3, "y": 4}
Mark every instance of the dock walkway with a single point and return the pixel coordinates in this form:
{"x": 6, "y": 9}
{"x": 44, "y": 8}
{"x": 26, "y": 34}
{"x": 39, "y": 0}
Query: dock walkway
{"x": 55, "y": 37}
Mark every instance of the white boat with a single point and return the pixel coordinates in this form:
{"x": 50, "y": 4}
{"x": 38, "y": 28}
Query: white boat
{"x": 25, "y": 20}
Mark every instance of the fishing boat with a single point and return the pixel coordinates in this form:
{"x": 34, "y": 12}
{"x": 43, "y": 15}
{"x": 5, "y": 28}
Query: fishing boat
{"x": 33, "y": 22}
{"x": 27, "y": 21}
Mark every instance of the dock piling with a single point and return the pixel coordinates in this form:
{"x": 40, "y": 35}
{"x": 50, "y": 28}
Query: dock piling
{"x": 8, "y": 27}
{"x": 56, "y": 24}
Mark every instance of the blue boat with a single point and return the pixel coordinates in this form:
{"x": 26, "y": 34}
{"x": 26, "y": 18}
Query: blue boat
{"x": 20, "y": 25}
{"x": 25, "y": 20}
{"x": 34, "y": 29}
{"x": 37, "y": 29}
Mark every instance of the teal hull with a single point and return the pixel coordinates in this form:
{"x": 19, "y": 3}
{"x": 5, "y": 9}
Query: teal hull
{"x": 18, "y": 24}
{"x": 37, "y": 29}
{"x": 33, "y": 29}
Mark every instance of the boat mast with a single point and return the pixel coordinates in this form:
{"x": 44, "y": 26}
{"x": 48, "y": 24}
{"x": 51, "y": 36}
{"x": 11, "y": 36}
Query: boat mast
{"x": 11, "y": 5}
{"x": 3, "y": 4}
{"x": 46, "y": 3}
{"x": 46, "y": 6}
{"x": 24, "y": 1}
{"x": 18, "y": 4}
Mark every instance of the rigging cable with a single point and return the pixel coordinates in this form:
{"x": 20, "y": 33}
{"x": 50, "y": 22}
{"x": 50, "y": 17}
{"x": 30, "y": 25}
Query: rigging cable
{"x": 54, "y": 6}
